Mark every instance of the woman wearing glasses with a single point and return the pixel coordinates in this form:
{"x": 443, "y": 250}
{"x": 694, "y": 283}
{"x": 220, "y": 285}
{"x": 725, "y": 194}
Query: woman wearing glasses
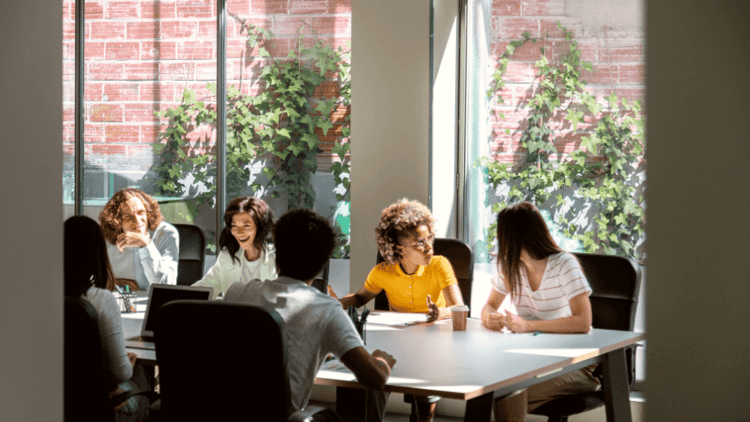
{"x": 245, "y": 249}
{"x": 413, "y": 279}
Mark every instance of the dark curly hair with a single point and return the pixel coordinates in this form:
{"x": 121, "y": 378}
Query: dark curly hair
{"x": 85, "y": 257}
{"x": 304, "y": 243}
{"x": 396, "y": 220}
{"x": 111, "y": 216}
{"x": 262, "y": 218}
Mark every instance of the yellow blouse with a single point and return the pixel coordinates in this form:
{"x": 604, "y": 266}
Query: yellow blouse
{"x": 408, "y": 293}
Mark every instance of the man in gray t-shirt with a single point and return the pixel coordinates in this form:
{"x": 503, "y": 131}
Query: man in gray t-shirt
{"x": 315, "y": 323}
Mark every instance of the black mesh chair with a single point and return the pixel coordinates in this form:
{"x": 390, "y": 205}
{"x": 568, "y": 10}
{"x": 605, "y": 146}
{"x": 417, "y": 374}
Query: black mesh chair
{"x": 615, "y": 283}
{"x": 86, "y": 391}
{"x": 212, "y": 370}
{"x": 460, "y": 256}
{"x": 192, "y": 254}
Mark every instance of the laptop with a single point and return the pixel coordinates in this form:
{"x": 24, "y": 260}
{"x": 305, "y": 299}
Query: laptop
{"x": 158, "y": 295}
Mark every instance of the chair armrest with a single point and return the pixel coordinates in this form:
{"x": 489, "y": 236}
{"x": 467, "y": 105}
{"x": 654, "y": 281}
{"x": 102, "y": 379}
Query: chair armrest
{"x": 309, "y": 412}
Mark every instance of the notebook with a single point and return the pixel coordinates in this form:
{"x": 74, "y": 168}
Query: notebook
{"x": 158, "y": 295}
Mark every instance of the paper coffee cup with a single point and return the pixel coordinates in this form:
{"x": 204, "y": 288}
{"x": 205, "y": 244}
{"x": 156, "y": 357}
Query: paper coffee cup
{"x": 459, "y": 313}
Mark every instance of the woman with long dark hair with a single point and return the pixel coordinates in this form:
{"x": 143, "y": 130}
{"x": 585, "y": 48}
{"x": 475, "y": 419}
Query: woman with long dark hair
{"x": 88, "y": 276}
{"x": 550, "y": 294}
{"x": 245, "y": 248}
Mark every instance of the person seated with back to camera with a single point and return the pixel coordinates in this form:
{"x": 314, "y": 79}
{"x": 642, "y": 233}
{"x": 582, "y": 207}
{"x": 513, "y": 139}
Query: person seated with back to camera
{"x": 88, "y": 275}
{"x": 143, "y": 248}
{"x": 410, "y": 275}
{"x": 550, "y": 294}
{"x": 246, "y": 251}
{"x": 315, "y": 323}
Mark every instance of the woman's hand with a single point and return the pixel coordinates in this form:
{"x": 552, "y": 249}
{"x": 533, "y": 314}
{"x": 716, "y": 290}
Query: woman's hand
{"x": 494, "y": 321}
{"x": 515, "y": 323}
{"x": 433, "y": 312}
{"x": 132, "y": 357}
{"x": 132, "y": 239}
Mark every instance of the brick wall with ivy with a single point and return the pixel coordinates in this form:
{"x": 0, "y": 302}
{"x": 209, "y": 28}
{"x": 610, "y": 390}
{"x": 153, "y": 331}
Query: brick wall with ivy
{"x": 140, "y": 56}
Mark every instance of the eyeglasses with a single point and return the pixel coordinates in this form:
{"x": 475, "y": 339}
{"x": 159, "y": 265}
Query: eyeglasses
{"x": 422, "y": 243}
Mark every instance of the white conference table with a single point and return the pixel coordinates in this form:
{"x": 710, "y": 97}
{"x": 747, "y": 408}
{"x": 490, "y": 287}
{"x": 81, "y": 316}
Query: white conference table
{"x": 478, "y": 365}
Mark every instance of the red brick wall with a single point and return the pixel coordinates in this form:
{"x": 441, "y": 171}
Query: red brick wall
{"x": 141, "y": 55}
{"x": 616, "y": 52}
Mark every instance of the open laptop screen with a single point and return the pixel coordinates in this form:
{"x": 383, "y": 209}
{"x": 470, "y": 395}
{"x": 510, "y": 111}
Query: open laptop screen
{"x": 161, "y": 294}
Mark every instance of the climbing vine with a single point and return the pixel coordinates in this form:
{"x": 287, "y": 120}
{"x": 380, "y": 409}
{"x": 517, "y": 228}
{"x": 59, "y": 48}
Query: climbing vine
{"x": 594, "y": 192}
{"x": 276, "y": 127}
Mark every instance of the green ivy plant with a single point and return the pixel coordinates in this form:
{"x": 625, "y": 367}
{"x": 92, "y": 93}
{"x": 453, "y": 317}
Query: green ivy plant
{"x": 281, "y": 124}
{"x": 602, "y": 172}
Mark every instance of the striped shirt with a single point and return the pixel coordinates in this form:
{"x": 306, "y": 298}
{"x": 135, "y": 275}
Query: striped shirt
{"x": 563, "y": 280}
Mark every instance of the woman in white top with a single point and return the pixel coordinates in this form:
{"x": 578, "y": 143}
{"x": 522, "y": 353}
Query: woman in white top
{"x": 550, "y": 294}
{"x": 88, "y": 275}
{"x": 245, "y": 249}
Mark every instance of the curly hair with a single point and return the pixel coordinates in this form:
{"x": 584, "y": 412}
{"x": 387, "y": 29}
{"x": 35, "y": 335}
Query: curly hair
{"x": 396, "y": 220}
{"x": 304, "y": 243}
{"x": 111, "y": 216}
{"x": 262, "y": 218}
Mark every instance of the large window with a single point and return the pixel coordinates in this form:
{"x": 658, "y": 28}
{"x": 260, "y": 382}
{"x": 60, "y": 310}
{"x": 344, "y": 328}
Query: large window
{"x": 150, "y": 101}
{"x": 554, "y": 112}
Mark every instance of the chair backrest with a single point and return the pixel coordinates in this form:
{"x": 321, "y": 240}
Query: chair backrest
{"x": 321, "y": 280}
{"x": 221, "y": 361}
{"x": 615, "y": 283}
{"x": 86, "y": 392}
{"x": 462, "y": 260}
{"x": 192, "y": 254}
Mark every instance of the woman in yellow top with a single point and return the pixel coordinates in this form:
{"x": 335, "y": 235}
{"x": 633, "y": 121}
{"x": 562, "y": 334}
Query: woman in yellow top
{"x": 410, "y": 275}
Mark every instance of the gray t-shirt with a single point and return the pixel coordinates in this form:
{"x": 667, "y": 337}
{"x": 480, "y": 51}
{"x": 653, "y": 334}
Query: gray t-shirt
{"x": 316, "y": 325}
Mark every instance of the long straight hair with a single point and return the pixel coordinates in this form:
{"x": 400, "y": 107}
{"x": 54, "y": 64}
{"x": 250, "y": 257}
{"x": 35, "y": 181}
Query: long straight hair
{"x": 85, "y": 257}
{"x": 262, "y": 218}
{"x": 521, "y": 227}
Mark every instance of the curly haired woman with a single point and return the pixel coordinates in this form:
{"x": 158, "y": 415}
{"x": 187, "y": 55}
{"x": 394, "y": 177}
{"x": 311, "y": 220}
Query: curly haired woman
{"x": 410, "y": 275}
{"x": 143, "y": 248}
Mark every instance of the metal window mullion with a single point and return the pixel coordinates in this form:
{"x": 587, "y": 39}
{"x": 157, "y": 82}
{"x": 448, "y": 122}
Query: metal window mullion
{"x": 79, "y": 124}
{"x": 462, "y": 157}
{"x": 221, "y": 124}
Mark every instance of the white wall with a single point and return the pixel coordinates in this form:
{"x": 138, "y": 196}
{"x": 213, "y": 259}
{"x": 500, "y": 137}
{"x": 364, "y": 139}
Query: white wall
{"x": 31, "y": 211}
{"x": 390, "y": 93}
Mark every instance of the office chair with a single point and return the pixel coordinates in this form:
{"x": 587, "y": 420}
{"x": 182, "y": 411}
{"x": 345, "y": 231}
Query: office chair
{"x": 321, "y": 280}
{"x": 192, "y": 254}
{"x": 86, "y": 393}
{"x": 460, "y": 256}
{"x": 615, "y": 283}
{"x": 224, "y": 362}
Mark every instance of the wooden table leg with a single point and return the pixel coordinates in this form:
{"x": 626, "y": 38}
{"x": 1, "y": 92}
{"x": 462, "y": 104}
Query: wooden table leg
{"x": 615, "y": 386}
